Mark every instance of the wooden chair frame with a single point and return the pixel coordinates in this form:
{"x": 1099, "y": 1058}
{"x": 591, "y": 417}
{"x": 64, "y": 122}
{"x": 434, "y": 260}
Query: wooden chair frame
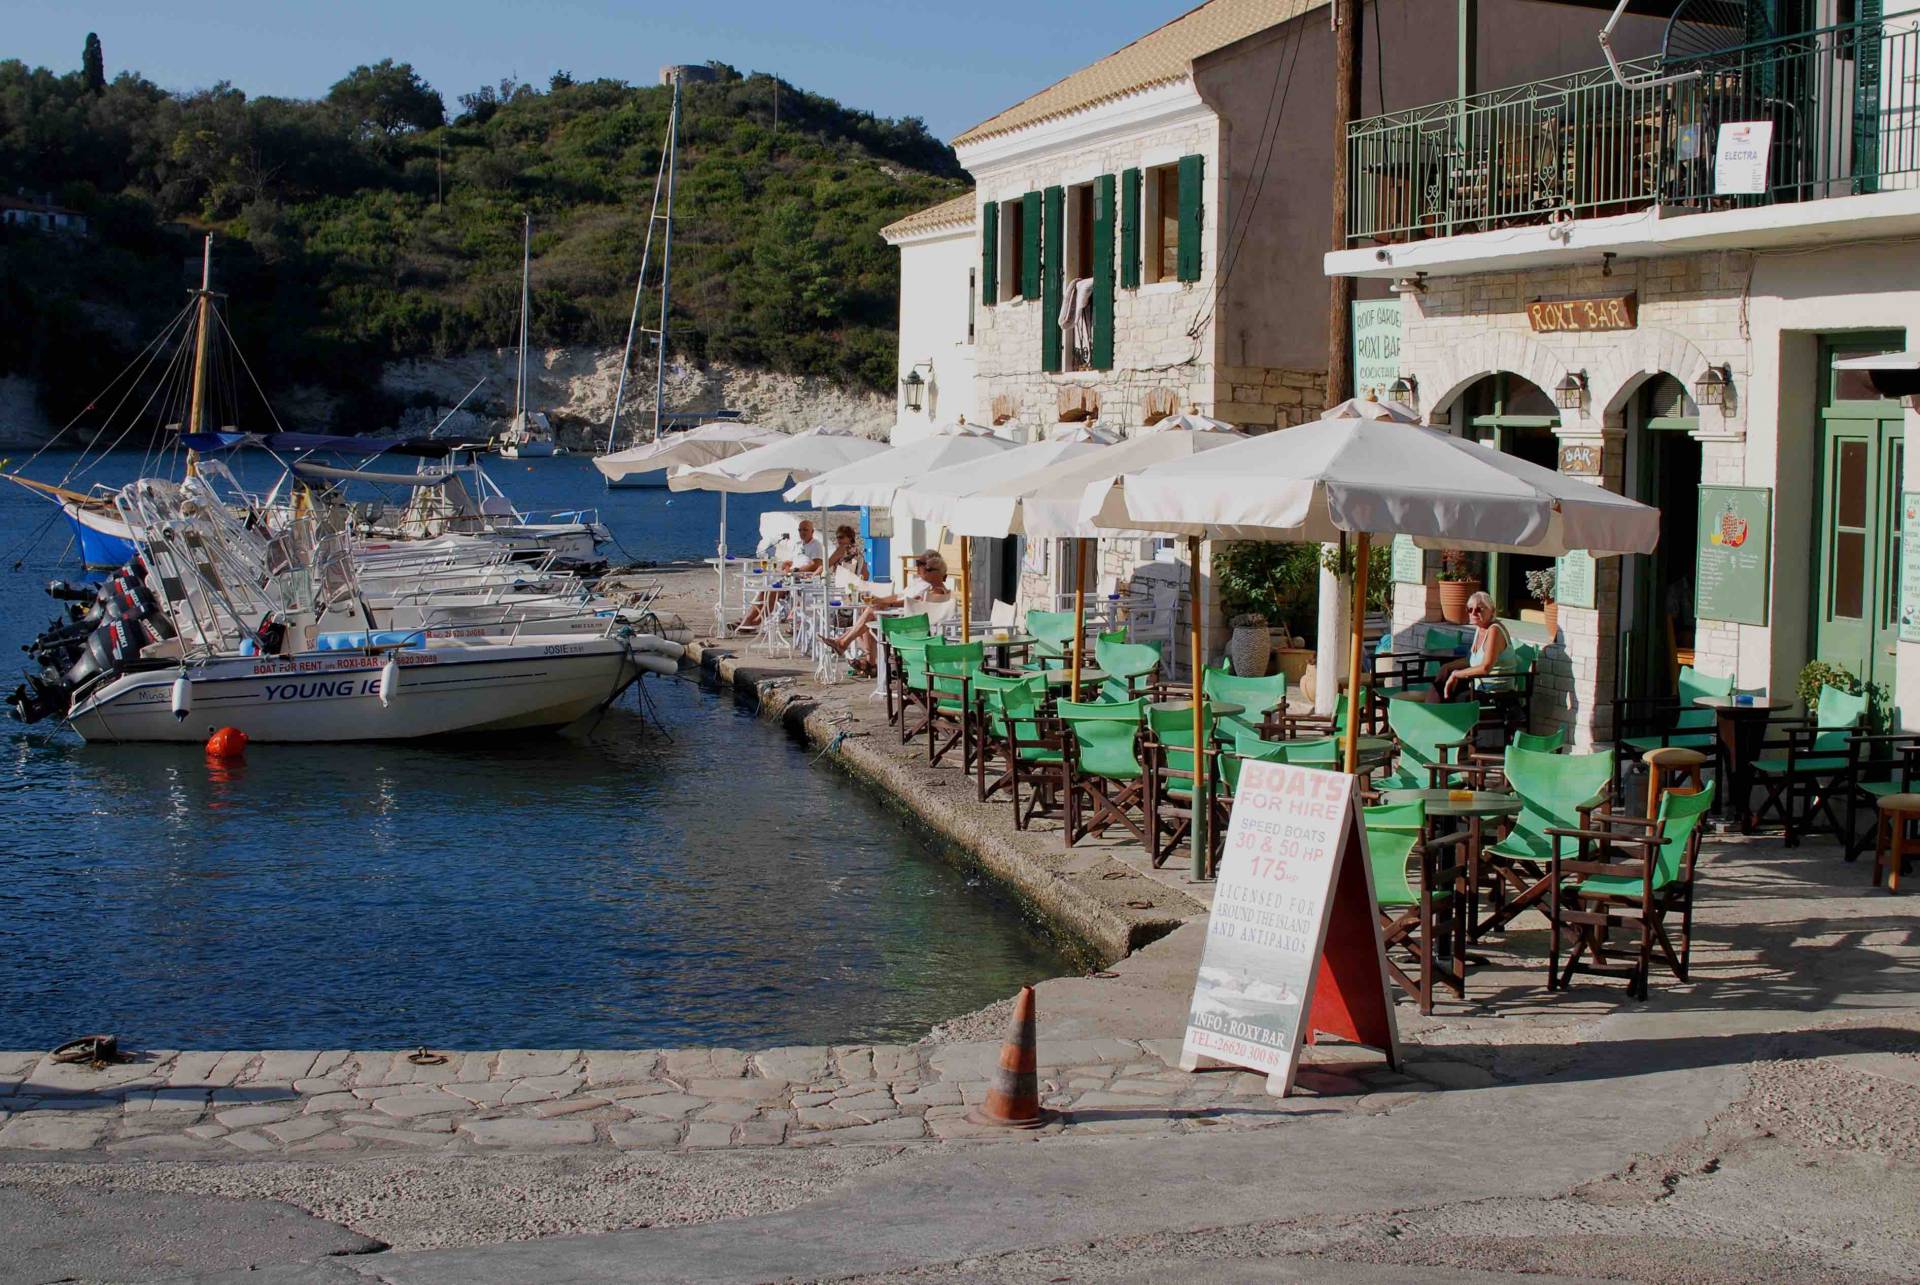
{"x": 1587, "y": 918}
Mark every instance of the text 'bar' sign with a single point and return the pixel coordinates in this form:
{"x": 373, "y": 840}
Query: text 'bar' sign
{"x": 1293, "y": 944}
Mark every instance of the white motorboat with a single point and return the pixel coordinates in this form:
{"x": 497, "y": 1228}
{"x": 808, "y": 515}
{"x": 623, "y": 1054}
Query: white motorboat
{"x": 220, "y": 624}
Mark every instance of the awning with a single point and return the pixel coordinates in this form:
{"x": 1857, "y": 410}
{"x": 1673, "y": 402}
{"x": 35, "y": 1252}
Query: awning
{"x": 322, "y": 472}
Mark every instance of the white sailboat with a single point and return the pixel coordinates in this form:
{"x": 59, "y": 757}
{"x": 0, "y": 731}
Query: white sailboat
{"x": 529, "y": 436}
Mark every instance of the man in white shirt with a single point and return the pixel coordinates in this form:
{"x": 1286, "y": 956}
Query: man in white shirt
{"x": 804, "y": 555}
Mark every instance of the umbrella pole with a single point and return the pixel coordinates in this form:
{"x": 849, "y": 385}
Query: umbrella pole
{"x": 723, "y": 526}
{"x": 1079, "y": 613}
{"x": 1355, "y": 644}
{"x": 966, "y": 588}
{"x": 1202, "y": 775}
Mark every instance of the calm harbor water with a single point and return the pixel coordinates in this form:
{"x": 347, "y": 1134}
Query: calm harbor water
{"x": 686, "y": 875}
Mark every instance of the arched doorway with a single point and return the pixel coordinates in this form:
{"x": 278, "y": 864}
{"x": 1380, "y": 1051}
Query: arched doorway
{"x": 1512, "y": 414}
{"x": 1662, "y": 468}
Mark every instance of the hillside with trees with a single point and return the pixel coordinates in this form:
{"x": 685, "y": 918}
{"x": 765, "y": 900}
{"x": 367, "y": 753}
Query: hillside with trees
{"x": 375, "y": 224}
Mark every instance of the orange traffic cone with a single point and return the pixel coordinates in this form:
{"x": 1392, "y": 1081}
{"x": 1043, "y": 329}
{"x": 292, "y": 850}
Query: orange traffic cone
{"x": 1013, "y": 1100}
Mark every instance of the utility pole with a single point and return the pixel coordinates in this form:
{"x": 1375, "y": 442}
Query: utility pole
{"x": 1348, "y": 18}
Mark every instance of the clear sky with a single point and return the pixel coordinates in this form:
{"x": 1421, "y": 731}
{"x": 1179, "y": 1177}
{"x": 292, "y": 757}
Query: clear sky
{"x": 953, "y": 64}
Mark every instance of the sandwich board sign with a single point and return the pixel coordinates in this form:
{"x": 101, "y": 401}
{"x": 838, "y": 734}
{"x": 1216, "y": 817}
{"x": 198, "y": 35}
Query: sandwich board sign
{"x": 1293, "y": 944}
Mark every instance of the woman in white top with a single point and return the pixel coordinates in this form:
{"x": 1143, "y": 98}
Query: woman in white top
{"x": 929, "y": 586}
{"x": 1489, "y": 643}
{"x": 846, "y": 562}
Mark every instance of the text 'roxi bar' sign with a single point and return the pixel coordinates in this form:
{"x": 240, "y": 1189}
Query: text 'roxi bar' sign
{"x": 1559, "y": 316}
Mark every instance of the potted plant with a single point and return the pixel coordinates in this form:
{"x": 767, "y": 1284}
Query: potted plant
{"x": 1250, "y": 646}
{"x": 1540, "y": 583}
{"x": 1457, "y": 583}
{"x": 1280, "y": 582}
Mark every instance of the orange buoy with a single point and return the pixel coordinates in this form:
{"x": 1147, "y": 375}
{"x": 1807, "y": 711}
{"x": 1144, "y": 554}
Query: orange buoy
{"x": 227, "y": 743}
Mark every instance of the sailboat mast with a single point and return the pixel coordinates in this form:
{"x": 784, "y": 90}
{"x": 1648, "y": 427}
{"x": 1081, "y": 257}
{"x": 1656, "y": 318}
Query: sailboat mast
{"x": 197, "y": 410}
{"x": 666, "y": 260}
{"x": 526, "y": 268}
{"x": 633, "y": 318}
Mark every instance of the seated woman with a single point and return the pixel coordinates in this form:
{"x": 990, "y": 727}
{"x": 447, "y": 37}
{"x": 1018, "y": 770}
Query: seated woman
{"x": 1455, "y": 679}
{"x": 929, "y": 586}
{"x": 847, "y": 561}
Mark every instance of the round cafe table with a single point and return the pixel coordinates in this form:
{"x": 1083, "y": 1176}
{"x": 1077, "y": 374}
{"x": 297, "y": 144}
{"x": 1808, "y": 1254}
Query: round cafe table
{"x": 1058, "y": 678}
{"x": 1741, "y": 728}
{"x": 1221, "y": 709}
{"x": 1004, "y": 643}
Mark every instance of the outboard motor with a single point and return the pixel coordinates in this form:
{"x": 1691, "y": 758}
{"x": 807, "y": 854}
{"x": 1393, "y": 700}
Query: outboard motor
{"x": 36, "y": 699}
{"x": 67, "y": 591}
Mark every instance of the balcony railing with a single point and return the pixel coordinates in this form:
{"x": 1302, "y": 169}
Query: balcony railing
{"x": 1844, "y": 104}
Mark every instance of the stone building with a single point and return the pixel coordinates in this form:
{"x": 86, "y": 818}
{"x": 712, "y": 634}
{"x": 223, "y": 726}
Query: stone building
{"x": 1681, "y": 330}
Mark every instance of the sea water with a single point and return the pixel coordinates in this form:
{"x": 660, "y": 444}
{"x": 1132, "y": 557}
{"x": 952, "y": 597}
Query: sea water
{"x": 687, "y": 874}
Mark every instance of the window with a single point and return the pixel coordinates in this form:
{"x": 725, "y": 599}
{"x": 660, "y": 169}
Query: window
{"x": 1517, "y": 417}
{"x": 1079, "y": 253}
{"x": 1013, "y": 242}
{"x": 1161, "y": 259}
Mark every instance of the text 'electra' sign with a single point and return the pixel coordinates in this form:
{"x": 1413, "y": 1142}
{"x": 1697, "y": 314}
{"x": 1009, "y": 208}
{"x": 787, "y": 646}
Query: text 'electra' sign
{"x": 1558, "y": 316}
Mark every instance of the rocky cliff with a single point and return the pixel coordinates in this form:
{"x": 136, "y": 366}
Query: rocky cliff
{"x": 575, "y": 388}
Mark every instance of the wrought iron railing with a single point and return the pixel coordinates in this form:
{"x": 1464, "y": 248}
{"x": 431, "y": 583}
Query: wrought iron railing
{"x": 1843, "y": 104}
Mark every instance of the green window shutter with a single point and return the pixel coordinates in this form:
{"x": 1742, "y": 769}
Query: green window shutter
{"x": 1050, "y": 289}
{"x": 1030, "y": 246}
{"x": 1103, "y": 212}
{"x": 1191, "y": 170}
{"x": 1866, "y": 96}
{"x": 990, "y": 252}
{"x": 1130, "y": 229}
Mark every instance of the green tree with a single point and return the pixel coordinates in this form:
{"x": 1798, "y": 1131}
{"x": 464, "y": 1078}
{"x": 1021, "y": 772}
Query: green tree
{"x": 388, "y": 99}
{"x": 93, "y": 65}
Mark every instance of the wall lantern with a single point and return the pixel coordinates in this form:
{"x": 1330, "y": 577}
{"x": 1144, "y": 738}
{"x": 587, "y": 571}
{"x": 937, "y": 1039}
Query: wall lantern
{"x": 1712, "y": 386}
{"x": 1403, "y": 390}
{"x": 1571, "y": 391}
{"x": 914, "y": 388}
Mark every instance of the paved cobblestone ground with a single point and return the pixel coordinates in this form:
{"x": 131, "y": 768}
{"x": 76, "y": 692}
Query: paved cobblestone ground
{"x": 201, "y": 1104}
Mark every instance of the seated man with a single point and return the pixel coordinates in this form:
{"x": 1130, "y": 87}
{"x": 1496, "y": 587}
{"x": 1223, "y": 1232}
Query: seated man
{"x": 803, "y": 556}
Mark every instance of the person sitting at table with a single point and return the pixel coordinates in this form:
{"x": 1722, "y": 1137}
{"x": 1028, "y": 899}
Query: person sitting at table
{"x": 1455, "y": 679}
{"x": 804, "y": 556}
{"x": 929, "y": 586}
{"x": 847, "y": 561}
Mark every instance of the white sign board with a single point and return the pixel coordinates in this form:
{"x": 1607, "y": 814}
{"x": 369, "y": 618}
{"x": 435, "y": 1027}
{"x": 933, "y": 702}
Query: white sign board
{"x": 1376, "y": 345}
{"x": 1291, "y": 829}
{"x": 1740, "y": 159}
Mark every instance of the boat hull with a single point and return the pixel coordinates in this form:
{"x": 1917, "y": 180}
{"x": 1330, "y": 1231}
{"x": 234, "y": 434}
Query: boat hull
{"x": 322, "y": 696}
{"x": 528, "y": 451}
{"x": 103, "y": 539}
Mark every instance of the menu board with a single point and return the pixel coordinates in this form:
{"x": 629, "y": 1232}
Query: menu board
{"x": 1733, "y": 554}
{"x": 1573, "y": 579}
{"x": 1409, "y": 561}
{"x": 1910, "y": 566}
{"x": 1293, "y": 942}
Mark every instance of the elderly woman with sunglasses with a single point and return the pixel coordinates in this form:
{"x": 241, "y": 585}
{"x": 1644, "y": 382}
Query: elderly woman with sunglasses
{"x": 929, "y": 586}
{"x": 1490, "y": 641}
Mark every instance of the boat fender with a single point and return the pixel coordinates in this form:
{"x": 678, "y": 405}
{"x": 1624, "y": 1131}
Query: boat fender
{"x": 654, "y": 664}
{"x": 390, "y": 679}
{"x": 659, "y": 646}
{"x": 182, "y": 697}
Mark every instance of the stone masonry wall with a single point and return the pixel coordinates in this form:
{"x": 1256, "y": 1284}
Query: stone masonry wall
{"x": 1691, "y": 314}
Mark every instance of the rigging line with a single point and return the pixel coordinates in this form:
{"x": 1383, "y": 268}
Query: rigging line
{"x": 170, "y": 384}
{"x": 234, "y": 346}
{"x": 82, "y": 463}
{"x": 1283, "y": 86}
{"x": 151, "y": 351}
{"x": 148, "y": 352}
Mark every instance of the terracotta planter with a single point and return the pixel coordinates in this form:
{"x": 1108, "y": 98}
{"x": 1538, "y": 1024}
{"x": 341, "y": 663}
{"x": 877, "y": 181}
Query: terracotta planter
{"x": 1551, "y": 610}
{"x": 1294, "y": 663}
{"x": 1453, "y": 599}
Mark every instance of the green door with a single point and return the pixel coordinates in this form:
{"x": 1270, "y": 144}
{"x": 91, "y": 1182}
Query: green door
{"x": 1856, "y": 587}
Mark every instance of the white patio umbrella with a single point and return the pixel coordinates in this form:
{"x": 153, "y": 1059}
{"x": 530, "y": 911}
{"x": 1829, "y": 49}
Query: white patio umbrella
{"x": 778, "y": 464}
{"x": 872, "y": 482}
{"x": 1365, "y": 470}
{"x": 697, "y": 446}
{"x": 935, "y": 497}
